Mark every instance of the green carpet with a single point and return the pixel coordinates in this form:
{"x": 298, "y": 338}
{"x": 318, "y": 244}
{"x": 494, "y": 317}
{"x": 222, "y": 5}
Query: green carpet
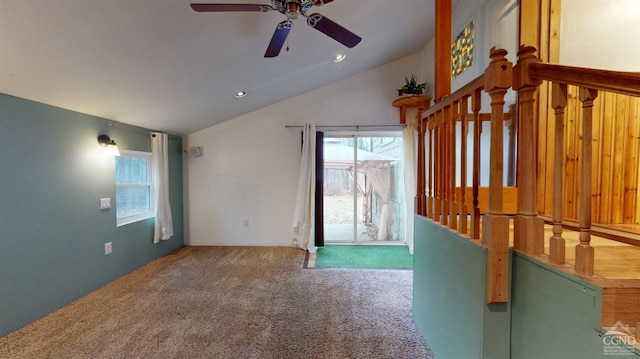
{"x": 395, "y": 257}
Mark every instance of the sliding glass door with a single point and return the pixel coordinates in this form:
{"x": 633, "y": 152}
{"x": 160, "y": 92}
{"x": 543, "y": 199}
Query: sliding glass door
{"x": 363, "y": 189}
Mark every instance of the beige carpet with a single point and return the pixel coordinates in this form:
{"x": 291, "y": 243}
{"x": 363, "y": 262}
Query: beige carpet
{"x": 232, "y": 302}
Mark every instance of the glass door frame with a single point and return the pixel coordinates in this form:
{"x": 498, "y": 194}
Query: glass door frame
{"x": 355, "y": 135}
{"x": 354, "y": 182}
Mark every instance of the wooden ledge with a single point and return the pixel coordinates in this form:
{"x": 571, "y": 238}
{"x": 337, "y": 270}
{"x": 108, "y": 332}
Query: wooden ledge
{"x": 421, "y": 102}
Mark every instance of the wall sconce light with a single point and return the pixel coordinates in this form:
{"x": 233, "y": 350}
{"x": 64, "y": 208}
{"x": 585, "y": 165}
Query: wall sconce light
{"x": 110, "y": 147}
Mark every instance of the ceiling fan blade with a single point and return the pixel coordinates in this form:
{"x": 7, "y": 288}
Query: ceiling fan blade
{"x": 278, "y": 39}
{"x": 333, "y": 30}
{"x": 231, "y": 7}
{"x": 321, "y": 2}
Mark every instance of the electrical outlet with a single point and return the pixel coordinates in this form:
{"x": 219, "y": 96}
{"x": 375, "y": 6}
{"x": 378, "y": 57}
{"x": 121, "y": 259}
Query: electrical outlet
{"x": 107, "y": 248}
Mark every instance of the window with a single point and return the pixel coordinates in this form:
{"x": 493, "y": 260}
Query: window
{"x": 133, "y": 187}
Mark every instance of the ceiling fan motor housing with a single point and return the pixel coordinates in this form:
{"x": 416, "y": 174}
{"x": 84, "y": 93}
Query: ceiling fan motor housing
{"x": 292, "y": 8}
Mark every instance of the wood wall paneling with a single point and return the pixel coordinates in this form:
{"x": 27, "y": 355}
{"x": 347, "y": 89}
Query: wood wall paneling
{"x": 616, "y": 134}
{"x": 616, "y": 154}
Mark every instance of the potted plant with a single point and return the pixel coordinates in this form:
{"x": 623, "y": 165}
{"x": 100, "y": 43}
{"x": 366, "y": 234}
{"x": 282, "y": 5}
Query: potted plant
{"x": 412, "y": 87}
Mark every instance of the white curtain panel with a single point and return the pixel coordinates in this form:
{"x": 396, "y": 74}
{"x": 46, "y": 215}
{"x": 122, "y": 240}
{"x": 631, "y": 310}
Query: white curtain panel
{"x": 379, "y": 177}
{"x": 409, "y": 143}
{"x": 305, "y": 200}
{"x": 160, "y": 187}
{"x": 366, "y": 194}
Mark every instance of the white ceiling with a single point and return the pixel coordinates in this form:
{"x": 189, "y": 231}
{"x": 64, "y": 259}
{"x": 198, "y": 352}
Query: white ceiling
{"x": 160, "y": 65}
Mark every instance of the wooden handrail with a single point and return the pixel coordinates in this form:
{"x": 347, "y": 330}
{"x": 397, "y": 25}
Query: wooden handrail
{"x": 465, "y": 90}
{"x": 444, "y": 134}
{"x": 442, "y": 204}
{"x": 529, "y": 73}
{"x": 627, "y": 83}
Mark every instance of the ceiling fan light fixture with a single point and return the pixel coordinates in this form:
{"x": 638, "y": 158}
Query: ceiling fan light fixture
{"x": 339, "y": 57}
{"x": 240, "y": 94}
{"x": 292, "y": 9}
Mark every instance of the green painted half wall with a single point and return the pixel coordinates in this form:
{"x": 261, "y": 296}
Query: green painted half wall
{"x": 556, "y": 315}
{"x": 52, "y": 232}
{"x": 449, "y": 303}
{"x": 551, "y": 314}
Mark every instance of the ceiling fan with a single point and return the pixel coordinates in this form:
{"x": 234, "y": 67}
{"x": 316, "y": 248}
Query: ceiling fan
{"x": 291, "y": 9}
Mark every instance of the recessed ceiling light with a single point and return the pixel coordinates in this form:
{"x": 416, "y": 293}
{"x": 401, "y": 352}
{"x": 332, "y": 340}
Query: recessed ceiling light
{"x": 339, "y": 57}
{"x": 240, "y": 94}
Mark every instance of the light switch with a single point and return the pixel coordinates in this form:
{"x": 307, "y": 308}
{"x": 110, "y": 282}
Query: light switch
{"x": 105, "y": 203}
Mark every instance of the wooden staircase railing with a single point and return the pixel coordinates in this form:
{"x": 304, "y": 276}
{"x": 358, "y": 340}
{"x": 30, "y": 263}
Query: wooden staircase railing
{"x": 446, "y": 195}
{"x": 495, "y": 224}
{"x": 444, "y": 177}
{"x": 529, "y": 73}
{"x": 440, "y": 120}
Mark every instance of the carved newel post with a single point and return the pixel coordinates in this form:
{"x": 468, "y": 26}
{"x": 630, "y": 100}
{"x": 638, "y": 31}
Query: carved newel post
{"x": 528, "y": 227}
{"x": 495, "y": 225}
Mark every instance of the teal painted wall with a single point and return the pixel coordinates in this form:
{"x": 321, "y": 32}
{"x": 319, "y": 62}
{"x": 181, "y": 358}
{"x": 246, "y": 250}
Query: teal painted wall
{"x": 449, "y": 297}
{"x": 554, "y": 315}
{"x": 52, "y": 232}
{"x": 551, "y": 315}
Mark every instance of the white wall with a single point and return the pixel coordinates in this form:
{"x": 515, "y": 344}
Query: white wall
{"x": 600, "y": 34}
{"x": 250, "y": 164}
{"x": 427, "y": 65}
{"x": 495, "y": 24}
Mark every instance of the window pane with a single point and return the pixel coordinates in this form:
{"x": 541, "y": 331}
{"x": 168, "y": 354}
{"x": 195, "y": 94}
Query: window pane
{"x": 132, "y": 201}
{"x": 131, "y": 170}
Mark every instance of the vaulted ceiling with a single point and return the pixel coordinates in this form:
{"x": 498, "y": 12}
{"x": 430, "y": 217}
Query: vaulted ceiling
{"x": 160, "y": 65}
